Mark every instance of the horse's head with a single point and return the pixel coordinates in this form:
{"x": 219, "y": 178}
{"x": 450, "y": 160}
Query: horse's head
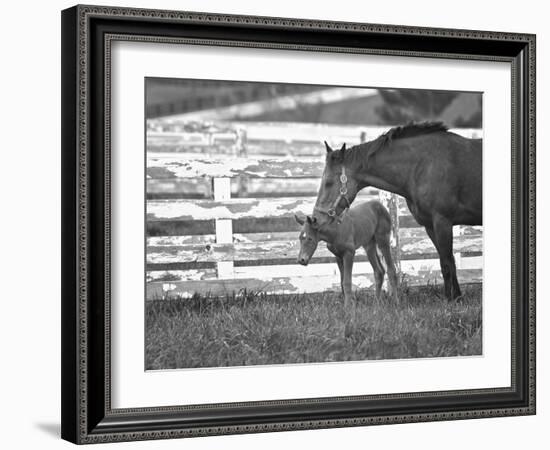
{"x": 309, "y": 238}
{"x": 338, "y": 186}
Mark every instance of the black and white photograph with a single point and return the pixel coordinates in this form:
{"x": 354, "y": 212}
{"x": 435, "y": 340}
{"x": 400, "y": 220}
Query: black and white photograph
{"x": 293, "y": 223}
{"x": 280, "y": 220}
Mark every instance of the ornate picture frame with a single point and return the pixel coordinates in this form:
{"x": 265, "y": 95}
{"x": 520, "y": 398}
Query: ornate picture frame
{"x": 88, "y": 33}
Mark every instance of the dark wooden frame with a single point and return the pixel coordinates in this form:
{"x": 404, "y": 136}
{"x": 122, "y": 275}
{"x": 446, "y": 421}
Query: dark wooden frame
{"x": 87, "y": 32}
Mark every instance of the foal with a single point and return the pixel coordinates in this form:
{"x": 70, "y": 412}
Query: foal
{"x": 366, "y": 225}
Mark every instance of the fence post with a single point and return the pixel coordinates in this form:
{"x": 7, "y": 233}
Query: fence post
{"x": 222, "y": 192}
{"x": 391, "y": 202}
{"x": 241, "y": 150}
{"x": 224, "y": 227}
{"x": 363, "y": 136}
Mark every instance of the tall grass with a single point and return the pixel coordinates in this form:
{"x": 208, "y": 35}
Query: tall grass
{"x": 254, "y": 328}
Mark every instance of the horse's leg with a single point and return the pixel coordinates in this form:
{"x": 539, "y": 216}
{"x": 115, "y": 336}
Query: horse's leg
{"x": 443, "y": 234}
{"x": 377, "y": 267}
{"x": 454, "y": 280}
{"x": 383, "y": 242}
{"x": 340, "y": 263}
{"x": 431, "y": 234}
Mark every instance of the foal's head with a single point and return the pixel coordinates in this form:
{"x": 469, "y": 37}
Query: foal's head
{"x": 309, "y": 238}
{"x": 338, "y": 186}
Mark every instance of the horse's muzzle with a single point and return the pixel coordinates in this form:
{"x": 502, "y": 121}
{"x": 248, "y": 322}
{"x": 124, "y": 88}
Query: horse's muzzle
{"x": 303, "y": 261}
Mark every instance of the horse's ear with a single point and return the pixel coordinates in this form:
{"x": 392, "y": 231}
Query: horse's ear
{"x": 312, "y": 221}
{"x": 299, "y": 220}
{"x": 329, "y": 150}
{"x": 342, "y": 150}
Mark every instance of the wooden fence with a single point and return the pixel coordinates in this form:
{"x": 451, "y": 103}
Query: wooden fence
{"x": 220, "y": 212}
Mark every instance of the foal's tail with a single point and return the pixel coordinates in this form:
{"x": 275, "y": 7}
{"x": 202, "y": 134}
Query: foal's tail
{"x": 383, "y": 224}
{"x": 382, "y": 237}
{"x": 382, "y": 232}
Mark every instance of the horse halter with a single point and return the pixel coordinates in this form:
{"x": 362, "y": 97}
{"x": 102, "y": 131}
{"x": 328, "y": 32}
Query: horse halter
{"x": 331, "y": 212}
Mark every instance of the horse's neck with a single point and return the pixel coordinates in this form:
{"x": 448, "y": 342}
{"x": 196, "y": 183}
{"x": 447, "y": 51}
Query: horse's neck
{"x": 382, "y": 182}
{"x": 389, "y": 170}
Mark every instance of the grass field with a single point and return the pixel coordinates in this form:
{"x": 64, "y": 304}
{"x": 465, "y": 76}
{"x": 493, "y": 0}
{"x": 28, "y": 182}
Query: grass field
{"x": 253, "y": 328}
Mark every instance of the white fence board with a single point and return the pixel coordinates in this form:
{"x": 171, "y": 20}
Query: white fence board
{"x": 160, "y": 290}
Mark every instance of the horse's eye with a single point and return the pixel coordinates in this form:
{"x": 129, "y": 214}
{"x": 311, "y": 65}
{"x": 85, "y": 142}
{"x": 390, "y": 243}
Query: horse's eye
{"x": 329, "y": 184}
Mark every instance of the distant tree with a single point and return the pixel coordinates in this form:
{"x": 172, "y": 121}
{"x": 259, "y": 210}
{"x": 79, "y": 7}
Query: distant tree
{"x": 405, "y": 105}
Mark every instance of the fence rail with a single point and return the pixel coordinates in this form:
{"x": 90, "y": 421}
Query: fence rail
{"x": 221, "y": 200}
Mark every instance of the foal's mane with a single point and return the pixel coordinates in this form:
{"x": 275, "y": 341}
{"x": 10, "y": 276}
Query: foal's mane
{"x": 360, "y": 153}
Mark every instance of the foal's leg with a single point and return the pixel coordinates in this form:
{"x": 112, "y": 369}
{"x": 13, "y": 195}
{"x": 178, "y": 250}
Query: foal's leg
{"x": 377, "y": 267}
{"x": 383, "y": 242}
{"x": 443, "y": 233}
{"x": 346, "y": 279}
{"x": 350, "y": 312}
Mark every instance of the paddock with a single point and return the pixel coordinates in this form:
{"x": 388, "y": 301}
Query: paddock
{"x": 220, "y": 212}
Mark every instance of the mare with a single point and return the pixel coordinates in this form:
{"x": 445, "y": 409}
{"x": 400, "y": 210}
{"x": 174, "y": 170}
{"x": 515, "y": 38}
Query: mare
{"x": 437, "y": 172}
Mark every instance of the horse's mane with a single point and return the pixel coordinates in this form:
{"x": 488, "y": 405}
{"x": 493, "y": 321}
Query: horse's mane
{"x": 413, "y": 129}
{"x": 360, "y": 153}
